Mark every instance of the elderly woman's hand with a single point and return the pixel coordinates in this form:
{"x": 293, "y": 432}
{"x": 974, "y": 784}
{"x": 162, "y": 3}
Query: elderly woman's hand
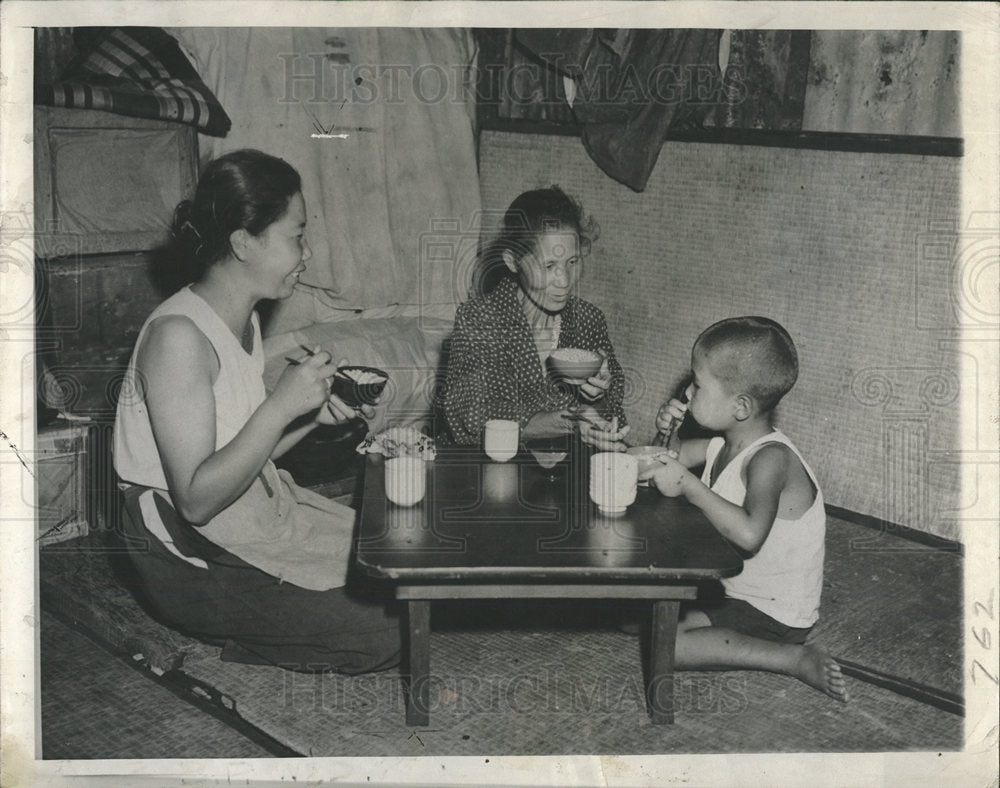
{"x": 600, "y": 433}
{"x": 595, "y": 387}
{"x": 547, "y": 424}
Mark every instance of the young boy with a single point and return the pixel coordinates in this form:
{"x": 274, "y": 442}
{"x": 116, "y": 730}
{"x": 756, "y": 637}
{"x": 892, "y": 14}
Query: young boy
{"x": 759, "y": 493}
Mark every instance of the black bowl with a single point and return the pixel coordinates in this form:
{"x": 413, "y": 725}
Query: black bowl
{"x": 354, "y": 393}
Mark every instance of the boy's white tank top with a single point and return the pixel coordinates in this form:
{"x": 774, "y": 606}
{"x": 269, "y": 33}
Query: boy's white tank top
{"x": 785, "y": 578}
{"x": 282, "y": 529}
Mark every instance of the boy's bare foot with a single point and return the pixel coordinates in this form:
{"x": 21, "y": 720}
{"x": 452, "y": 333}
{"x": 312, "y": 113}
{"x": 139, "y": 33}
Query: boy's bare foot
{"x": 818, "y": 669}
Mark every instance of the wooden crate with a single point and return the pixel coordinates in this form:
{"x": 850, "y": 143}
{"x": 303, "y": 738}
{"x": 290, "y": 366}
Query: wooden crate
{"x": 62, "y": 478}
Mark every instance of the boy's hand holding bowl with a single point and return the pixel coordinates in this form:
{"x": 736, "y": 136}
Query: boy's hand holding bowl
{"x": 668, "y": 476}
{"x": 648, "y": 458}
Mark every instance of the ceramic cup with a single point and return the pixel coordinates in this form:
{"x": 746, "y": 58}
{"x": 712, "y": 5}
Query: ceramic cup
{"x": 405, "y": 480}
{"x": 500, "y": 439}
{"x": 613, "y": 481}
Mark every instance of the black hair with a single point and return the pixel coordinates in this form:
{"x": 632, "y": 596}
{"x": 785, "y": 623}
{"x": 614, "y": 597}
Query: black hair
{"x": 245, "y": 189}
{"x": 531, "y": 214}
{"x": 753, "y": 355}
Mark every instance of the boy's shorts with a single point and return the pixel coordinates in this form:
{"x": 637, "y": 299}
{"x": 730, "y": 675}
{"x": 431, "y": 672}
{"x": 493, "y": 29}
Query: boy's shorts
{"x": 741, "y": 616}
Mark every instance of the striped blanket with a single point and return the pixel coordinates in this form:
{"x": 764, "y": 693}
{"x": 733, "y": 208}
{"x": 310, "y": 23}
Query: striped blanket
{"x": 141, "y": 72}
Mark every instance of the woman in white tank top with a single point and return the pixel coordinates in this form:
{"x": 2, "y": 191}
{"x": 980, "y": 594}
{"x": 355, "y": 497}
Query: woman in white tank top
{"x": 196, "y": 434}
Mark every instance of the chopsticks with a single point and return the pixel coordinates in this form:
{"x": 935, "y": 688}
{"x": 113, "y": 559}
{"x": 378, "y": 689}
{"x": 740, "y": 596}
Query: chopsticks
{"x": 577, "y": 416}
{"x": 664, "y": 437}
{"x": 297, "y": 361}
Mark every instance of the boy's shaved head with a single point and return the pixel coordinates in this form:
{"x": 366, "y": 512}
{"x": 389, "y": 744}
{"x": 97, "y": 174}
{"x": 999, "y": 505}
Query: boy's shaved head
{"x": 754, "y": 355}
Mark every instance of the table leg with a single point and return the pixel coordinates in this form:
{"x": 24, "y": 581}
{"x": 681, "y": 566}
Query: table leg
{"x": 660, "y": 686}
{"x": 418, "y": 692}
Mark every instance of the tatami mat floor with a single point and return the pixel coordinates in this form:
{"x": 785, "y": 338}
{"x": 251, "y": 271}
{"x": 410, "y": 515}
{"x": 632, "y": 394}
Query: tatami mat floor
{"x": 552, "y": 678}
{"x": 95, "y": 706}
{"x": 568, "y": 690}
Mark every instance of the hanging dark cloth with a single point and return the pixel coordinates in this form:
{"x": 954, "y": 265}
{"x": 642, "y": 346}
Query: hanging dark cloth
{"x": 632, "y": 87}
{"x": 135, "y": 71}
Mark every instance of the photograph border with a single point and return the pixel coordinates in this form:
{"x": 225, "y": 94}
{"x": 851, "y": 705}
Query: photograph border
{"x": 19, "y": 616}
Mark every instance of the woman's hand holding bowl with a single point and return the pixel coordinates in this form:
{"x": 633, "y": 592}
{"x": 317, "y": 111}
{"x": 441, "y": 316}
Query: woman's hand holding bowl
{"x": 596, "y": 386}
{"x": 304, "y": 386}
{"x": 336, "y": 411}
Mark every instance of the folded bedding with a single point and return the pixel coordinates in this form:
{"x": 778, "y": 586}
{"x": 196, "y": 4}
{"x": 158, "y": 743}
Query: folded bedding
{"x": 135, "y": 71}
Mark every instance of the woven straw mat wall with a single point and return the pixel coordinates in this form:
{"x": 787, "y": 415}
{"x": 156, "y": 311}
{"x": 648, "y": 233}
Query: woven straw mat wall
{"x": 843, "y": 249}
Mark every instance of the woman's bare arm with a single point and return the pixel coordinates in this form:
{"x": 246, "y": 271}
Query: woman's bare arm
{"x": 177, "y": 366}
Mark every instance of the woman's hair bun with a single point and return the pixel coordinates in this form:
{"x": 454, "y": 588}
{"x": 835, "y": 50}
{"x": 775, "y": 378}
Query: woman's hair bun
{"x": 183, "y": 228}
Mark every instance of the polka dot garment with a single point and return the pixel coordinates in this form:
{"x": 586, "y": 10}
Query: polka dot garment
{"x": 494, "y": 370}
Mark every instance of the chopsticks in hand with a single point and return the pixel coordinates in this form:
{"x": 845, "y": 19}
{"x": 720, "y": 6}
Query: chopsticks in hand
{"x": 665, "y": 437}
{"x": 297, "y": 361}
{"x": 603, "y": 426}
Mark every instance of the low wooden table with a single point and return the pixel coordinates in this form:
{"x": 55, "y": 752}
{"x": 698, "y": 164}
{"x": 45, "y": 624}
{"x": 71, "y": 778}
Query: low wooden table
{"x": 514, "y": 530}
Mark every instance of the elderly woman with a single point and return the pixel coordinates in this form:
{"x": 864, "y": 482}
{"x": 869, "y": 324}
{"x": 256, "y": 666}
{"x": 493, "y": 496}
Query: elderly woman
{"x": 496, "y": 366}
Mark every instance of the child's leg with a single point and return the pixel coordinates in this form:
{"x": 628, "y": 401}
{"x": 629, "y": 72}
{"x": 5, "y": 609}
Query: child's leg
{"x": 701, "y": 646}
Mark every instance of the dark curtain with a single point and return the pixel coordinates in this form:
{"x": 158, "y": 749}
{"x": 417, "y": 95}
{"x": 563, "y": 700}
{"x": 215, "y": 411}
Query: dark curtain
{"x": 632, "y": 87}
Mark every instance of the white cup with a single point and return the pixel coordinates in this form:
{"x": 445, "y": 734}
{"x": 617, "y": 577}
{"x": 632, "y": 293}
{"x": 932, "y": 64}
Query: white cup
{"x": 405, "y": 480}
{"x": 500, "y": 440}
{"x": 613, "y": 481}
